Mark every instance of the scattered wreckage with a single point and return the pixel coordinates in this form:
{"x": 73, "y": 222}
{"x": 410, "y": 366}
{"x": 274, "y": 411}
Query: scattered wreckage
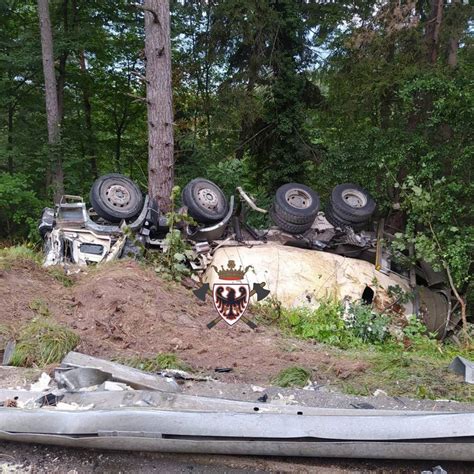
{"x": 307, "y": 255}
{"x": 103, "y": 405}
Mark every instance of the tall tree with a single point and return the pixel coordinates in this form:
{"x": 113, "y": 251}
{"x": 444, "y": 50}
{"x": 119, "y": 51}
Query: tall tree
{"x": 52, "y": 107}
{"x": 159, "y": 102}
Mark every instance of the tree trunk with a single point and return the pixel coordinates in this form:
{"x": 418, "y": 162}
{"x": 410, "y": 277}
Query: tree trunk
{"x": 159, "y": 102}
{"x": 52, "y": 109}
{"x": 86, "y": 101}
{"x": 433, "y": 28}
{"x": 62, "y": 64}
{"x": 11, "y": 111}
{"x": 453, "y": 42}
{"x": 118, "y": 150}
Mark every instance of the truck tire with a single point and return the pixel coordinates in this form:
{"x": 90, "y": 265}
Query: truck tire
{"x": 289, "y": 226}
{"x": 205, "y": 201}
{"x": 337, "y": 221}
{"x": 296, "y": 203}
{"x": 352, "y": 203}
{"x": 115, "y": 197}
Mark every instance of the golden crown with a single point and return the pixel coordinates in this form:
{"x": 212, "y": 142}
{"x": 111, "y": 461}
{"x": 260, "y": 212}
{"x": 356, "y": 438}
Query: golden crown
{"x": 231, "y": 272}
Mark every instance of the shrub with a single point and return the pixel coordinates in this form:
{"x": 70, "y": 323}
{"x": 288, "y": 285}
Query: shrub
{"x": 324, "y": 324}
{"x": 367, "y": 325}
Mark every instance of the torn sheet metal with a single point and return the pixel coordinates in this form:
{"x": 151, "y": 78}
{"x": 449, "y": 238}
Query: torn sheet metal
{"x": 121, "y": 373}
{"x": 77, "y": 379}
{"x": 102, "y": 399}
{"x": 463, "y": 367}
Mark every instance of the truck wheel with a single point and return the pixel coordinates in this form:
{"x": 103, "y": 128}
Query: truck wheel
{"x": 296, "y": 203}
{"x": 352, "y": 203}
{"x": 205, "y": 201}
{"x": 289, "y": 226}
{"x": 116, "y": 197}
{"x": 337, "y": 221}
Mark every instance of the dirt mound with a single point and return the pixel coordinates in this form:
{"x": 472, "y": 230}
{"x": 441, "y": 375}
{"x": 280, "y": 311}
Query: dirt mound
{"x": 123, "y": 309}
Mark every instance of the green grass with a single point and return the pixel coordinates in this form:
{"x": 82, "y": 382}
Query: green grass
{"x": 292, "y": 377}
{"x": 161, "y": 361}
{"x": 59, "y": 274}
{"x": 42, "y": 342}
{"x": 40, "y": 308}
{"x": 407, "y": 374}
{"x": 414, "y": 365}
{"x": 11, "y": 255}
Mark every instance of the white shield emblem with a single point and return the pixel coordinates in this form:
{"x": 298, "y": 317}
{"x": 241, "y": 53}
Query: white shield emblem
{"x": 231, "y": 300}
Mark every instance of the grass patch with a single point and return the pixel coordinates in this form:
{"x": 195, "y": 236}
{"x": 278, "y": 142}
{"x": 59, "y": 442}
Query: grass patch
{"x": 408, "y": 374}
{"x": 10, "y": 255}
{"x": 161, "y": 361}
{"x": 292, "y": 377}
{"x": 59, "y": 274}
{"x": 403, "y": 359}
{"x": 40, "y": 308}
{"x": 42, "y": 342}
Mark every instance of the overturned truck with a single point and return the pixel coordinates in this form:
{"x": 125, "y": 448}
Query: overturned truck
{"x": 307, "y": 254}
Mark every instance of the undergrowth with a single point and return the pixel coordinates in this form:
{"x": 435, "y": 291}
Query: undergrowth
{"x": 170, "y": 264}
{"x": 161, "y": 361}
{"x": 404, "y": 359}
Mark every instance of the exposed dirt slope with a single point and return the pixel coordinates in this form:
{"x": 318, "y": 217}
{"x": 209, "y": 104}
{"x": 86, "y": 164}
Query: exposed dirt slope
{"x": 123, "y": 309}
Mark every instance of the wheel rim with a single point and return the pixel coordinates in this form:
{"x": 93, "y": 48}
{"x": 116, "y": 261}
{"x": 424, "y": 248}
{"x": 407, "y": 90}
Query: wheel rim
{"x": 354, "y": 198}
{"x": 298, "y": 199}
{"x": 208, "y": 199}
{"x": 118, "y": 196}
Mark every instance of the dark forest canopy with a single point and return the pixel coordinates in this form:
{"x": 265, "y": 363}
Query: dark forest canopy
{"x": 379, "y": 93}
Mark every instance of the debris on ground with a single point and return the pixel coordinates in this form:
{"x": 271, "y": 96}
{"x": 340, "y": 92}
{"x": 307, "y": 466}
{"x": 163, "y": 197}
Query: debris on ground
{"x": 114, "y": 415}
{"x": 42, "y": 384}
{"x": 463, "y": 367}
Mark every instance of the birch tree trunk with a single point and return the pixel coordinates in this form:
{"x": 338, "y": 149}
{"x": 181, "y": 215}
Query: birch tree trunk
{"x": 159, "y": 102}
{"x": 52, "y": 109}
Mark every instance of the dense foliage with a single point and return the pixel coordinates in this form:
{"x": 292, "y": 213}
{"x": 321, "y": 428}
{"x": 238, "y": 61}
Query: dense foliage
{"x": 379, "y": 93}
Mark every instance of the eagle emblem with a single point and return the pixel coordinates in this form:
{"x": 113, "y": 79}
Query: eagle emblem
{"x": 231, "y": 300}
{"x": 231, "y": 296}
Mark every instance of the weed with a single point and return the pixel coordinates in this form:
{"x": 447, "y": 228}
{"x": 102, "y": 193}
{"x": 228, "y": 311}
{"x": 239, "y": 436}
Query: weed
{"x": 161, "y": 361}
{"x": 171, "y": 263}
{"x": 366, "y": 324}
{"x": 407, "y": 374}
{"x": 324, "y": 324}
{"x": 42, "y": 342}
{"x": 292, "y": 377}
{"x": 268, "y": 312}
{"x": 40, "y": 308}
{"x": 60, "y": 275}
